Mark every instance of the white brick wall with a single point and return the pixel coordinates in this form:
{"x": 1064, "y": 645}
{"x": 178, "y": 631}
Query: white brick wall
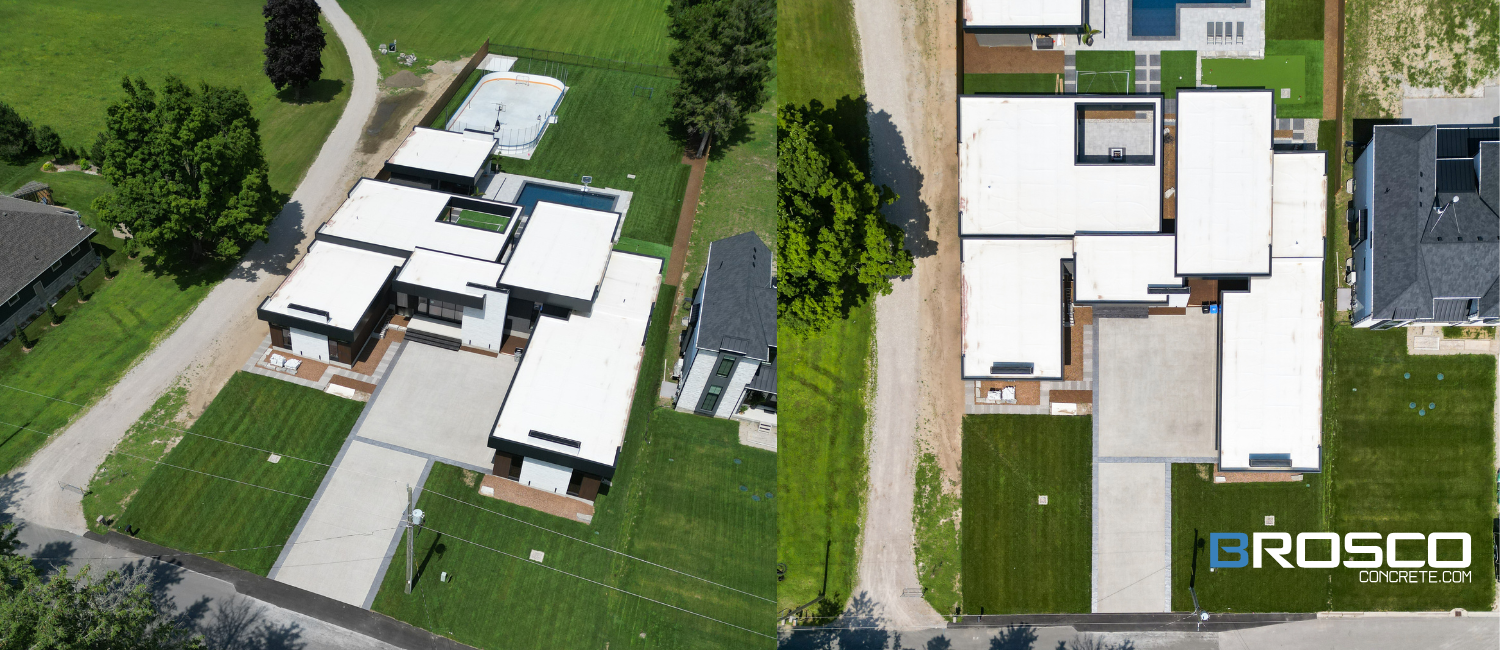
{"x": 744, "y": 371}
{"x": 691, "y": 390}
{"x": 485, "y": 328}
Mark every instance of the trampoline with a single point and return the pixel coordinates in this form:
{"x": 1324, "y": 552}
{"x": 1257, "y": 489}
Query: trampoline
{"x": 513, "y": 107}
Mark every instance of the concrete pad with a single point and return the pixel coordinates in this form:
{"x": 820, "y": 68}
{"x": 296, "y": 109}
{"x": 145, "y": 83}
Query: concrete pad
{"x": 1157, "y": 394}
{"x": 1130, "y": 538}
{"x": 1453, "y": 110}
{"x": 343, "y": 541}
{"x": 441, "y": 403}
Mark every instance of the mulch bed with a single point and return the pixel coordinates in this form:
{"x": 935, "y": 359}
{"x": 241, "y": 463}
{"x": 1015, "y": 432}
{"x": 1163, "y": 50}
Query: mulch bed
{"x": 352, "y": 383}
{"x": 1008, "y": 60}
{"x": 1071, "y": 397}
{"x": 552, "y": 504}
{"x": 1028, "y": 393}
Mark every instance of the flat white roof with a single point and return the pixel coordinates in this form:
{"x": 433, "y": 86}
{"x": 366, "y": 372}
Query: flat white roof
{"x": 336, "y": 279}
{"x": 563, "y": 250}
{"x": 1271, "y": 367}
{"x": 1121, "y": 268}
{"x": 1223, "y": 182}
{"x": 1012, "y": 305}
{"x": 1018, "y": 173}
{"x": 449, "y": 272}
{"x": 579, "y": 375}
{"x": 1022, "y": 13}
{"x": 1299, "y": 209}
{"x": 403, "y": 218}
{"x": 461, "y": 154}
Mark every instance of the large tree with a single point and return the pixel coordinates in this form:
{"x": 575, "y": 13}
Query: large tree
{"x": 187, "y": 169}
{"x": 834, "y": 249}
{"x": 15, "y": 134}
{"x": 723, "y": 60}
{"x": 294, "y": 43}
{"x": 72, "y": 610}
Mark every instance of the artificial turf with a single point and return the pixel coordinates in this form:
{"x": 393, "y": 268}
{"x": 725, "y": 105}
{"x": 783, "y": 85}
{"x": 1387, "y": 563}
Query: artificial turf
{"x": 1042, "y": 83}
{"x": 644, "y": 248}
{"x": 1179, "y": 69}
{"x": 1020, "y": 556}
{"x": 181, "y": 506}
{"x": 64, "y": 62}
{"x": 1109, "y": 72}
{"x": 1273, "y": 72}
{"x": 482, "y": 220}
{"x": 1312, "y": 57}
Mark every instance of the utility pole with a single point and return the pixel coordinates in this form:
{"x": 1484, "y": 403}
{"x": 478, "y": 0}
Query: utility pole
{"x": 409, "y": 539}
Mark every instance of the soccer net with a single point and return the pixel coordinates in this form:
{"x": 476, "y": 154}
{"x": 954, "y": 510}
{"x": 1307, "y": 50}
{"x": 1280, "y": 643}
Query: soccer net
{"x": 1113, "y": 81}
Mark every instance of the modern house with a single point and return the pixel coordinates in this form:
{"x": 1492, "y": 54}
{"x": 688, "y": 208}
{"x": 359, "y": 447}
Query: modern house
{"x": 1063, "y": 205}
{"x": 440, "y": 160}
{"x": 992, "y": 20}
{"x": 1425, "y": 226}
{"x": 44, "y": 249}
{"x": 729, "y": 348}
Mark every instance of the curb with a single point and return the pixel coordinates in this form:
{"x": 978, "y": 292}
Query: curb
{"x": 1163, "y": 622}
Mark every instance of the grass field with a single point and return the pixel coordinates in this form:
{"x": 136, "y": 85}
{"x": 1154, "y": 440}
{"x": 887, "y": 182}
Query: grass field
{"x": 630, "y": 30}
{"x": 117, "y": 480}
{"x": 193, "y": 512}
{"x": 1294, "y": 20}
{"x": 817, "y": 56}
{"x": 482, "y": 220}
{"x": 81, "y": 358}
{"x": 936, "y": 513}
{"x": 440, "y": 121}
{"x": 975, "y": 84}
{"x": 1179, "y": 69}
{"x": 1106, "y": 72}
{"x": 606, "y": 132}
{"x": 65, "y": 61}
{"x": 1019, "y": 556}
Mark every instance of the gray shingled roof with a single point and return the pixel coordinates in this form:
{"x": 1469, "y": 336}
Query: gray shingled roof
{"x": 739, "y": 303}
{"x": 30, "y": 188}
{"x": 32, "y": 237}
{"x": 1429, "y": 248}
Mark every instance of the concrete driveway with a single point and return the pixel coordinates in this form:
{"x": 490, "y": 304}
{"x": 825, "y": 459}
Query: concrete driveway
{"x": 441, "y": 404}
{"x": 1156, "y": 393}
{"x": 1130, "y": 537}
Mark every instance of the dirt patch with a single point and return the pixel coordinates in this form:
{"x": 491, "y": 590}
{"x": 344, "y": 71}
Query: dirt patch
{"x": 1028, "y": 393}
{"x": 390, "y": 115}
{"x": 1437, "y": 48}
{"x": 1333, "y": 68}
{"x": 403, "y": 79}
{"x": 1009, "y": 60}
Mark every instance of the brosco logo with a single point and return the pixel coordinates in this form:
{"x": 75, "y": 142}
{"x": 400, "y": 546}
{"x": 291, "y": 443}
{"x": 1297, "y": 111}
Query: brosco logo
{"x": 1372, "y": 554}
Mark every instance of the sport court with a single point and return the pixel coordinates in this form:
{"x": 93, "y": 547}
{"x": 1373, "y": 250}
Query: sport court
{"x": 513, "y": 107}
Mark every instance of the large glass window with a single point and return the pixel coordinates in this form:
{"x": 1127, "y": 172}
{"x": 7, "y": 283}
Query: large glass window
{"x": 439, "y": 309}
{"x": 726, "y": 365}
{"x": 711, "y": 398}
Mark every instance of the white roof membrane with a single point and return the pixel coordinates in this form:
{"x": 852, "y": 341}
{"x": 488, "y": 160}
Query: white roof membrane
{"x": 1223, "y": 182}
{"x": 462, "y": 154}
{"x": 404, "y": 218}
{"x": 1271, "y": 367}
{"x": 1018, "y": 173}
{"x": 1120, "y": 268}
{"x": 563, "y": 250}
{"x": 1012, "y": 305}
{"x": 1299, "y": 209}
{"x": 1022, "y": 13}
{"x": 340, "y": 280}
{"x": 449, "y": 272}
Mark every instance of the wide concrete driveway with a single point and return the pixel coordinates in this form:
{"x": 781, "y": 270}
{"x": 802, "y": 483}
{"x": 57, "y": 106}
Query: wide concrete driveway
{"x": 441, "y": 404}
{"x": 1156, "y": 395}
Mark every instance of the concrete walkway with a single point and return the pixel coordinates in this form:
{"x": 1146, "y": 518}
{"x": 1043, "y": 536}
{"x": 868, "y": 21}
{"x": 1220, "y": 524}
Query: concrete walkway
{"x": 73, "y": 455}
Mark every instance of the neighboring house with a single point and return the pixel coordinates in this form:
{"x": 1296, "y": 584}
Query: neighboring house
{"x": 1062, "y": 204}
{"x": 34, "y": 191}
{"x": 729, "y": 348}
{"x": 1424, "y": 226}
{"x": 44, "y": 249}
{"x": 440, "y": 160}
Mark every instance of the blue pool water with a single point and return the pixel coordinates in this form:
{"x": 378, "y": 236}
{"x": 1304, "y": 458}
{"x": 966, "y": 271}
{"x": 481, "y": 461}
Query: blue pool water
{"x": 1159, "y": 17}
{"x": 532, "y": 192}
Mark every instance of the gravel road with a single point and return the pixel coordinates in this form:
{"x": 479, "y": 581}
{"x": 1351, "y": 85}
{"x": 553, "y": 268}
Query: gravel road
{"x": 73, "y": 455}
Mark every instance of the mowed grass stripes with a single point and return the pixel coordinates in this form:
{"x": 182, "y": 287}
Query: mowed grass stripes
{"x": 181, "y": 508}
{"x": 1020, "y": 556}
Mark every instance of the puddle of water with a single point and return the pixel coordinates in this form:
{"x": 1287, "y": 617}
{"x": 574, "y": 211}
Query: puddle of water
{"x": 389, "y": 114}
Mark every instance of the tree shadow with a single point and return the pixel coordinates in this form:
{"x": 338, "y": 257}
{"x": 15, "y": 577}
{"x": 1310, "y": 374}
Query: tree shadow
{"x": 321, "y": 91}
{"x": 275, "y": 255}
{"x": 240, "y": 624}
{"x": 10, "y": 487}
{"x": 52, "y": 556}
{"x": 1014, "y": 637}
{"x": 891, "y": 165}
{"x": 859, "y": 626}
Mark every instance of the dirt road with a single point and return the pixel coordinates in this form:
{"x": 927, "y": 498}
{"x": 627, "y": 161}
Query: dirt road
{"x": 224, "y": 315}
{"x": 907, "y": 52}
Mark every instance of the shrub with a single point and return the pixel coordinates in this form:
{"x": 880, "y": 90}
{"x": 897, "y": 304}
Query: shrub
{"x": 52, "y": 313}
{"x": 49, "y": 167}
{"x": 15, "y": 134}
{"x": 83, "y": 163}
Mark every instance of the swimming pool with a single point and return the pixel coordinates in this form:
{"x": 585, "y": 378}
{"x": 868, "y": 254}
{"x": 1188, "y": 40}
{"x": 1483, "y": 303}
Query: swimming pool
{"x": 533, "y": 192}
{"x": 1158, "y": 18}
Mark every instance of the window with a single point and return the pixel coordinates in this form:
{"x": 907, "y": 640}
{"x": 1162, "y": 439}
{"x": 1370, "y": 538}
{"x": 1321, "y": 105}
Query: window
{"x": 13, "y": 299}
{"x": 439, "y": 309}
{"x": 726, "y": 365}
{"x": 711, "y": 398}
{"x": 57, "y": 265}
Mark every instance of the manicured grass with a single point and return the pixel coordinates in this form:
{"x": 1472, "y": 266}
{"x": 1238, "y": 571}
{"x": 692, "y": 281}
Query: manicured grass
{"x": 1020, "y": 556}
{"x": 482, "y": 220}
{"x": 1294, "y": 20}
{"x": 606, "y": 132}
{"x": 191, "y": 511}
{"x": 662, "y": 251}
{"x": 823, "y": 462}
{"x": 817, "y": 52}
{"x": 1297, "y": 65}
{"x": 1179, "y": 69}
{"x": 630, "y": 30}
{"x": 975, "y": 84}
{"x": 936, "y": 513}
{"x": 1312, "y": 57}
{"x": 64, "y": 62}
{"x": 686, "y": 511}
{"x": 120, "y": 476}
{"x": 1113, "y": 72}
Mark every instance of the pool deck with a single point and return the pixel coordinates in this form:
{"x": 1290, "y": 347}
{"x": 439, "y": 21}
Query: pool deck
{"x": 507, "y": 187}
{"x": 1191, "y": 26}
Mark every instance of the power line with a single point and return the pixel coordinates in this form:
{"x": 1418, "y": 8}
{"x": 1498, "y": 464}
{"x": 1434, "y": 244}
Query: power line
{"x": 43, "y": 396}
{"x": 203, "y": 553}
{"x": 601, "y": 584}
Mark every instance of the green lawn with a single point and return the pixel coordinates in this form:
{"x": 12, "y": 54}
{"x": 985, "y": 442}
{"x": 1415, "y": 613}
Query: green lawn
{"x": 936, "y": 514}
{"x": 606, "y": 132}
{"x": 1020, "y": 556}
{"x": 193, "y": 512}
{"x": 822, "y": 460}
{"x": 482, "y": 220}
{"x": 975, "y": 84}
{"x": 1107, "y": 72}
{"x": 120, "y": 476}
{"x": 628, "y": 30}
{"x": 1312, "y": 56}
{"x": 1301, "y": 72}
{"x": 1179, "y": 69}
{"x": 1294, "y": 20}
{"x": 64, "y": 62}
{"x": 80, "y": 359}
